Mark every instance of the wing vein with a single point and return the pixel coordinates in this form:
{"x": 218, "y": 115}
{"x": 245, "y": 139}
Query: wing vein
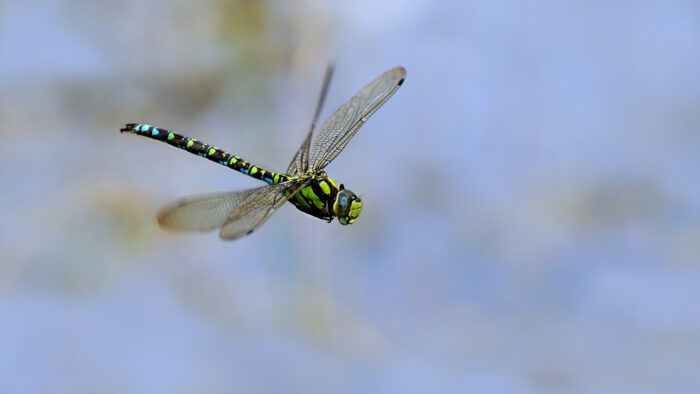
{"x": 340, "y": 127}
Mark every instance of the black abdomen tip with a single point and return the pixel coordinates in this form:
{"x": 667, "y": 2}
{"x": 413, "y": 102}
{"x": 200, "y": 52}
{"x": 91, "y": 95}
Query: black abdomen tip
{"x": 128, "y": 127}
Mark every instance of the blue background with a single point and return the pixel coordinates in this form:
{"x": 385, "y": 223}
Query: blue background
{"x": 531, "y": 217}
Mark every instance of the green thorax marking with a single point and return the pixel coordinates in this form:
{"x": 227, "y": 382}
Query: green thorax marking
{"x": 317, "y": 198}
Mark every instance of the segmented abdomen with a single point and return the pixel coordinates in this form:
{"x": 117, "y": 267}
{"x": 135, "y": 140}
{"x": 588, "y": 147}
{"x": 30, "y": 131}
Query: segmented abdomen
{"x": 210, "y": 152}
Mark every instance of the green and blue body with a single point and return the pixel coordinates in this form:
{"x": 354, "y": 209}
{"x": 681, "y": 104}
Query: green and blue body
{"x": 305, "y": 182}
{"x": 318, "y": 199}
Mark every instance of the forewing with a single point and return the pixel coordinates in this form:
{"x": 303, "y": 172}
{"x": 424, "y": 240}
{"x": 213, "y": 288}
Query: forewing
{"x": 201, "y": 213}
{"x": 257, "y": 207}
{"x": 337, "y": 131}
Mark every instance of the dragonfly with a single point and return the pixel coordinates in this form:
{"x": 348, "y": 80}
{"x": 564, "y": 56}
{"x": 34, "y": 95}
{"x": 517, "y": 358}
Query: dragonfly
{"x": 304, "y": 184}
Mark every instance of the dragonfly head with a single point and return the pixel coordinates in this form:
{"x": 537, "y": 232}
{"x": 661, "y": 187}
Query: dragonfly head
{"x": 347, "y": 206}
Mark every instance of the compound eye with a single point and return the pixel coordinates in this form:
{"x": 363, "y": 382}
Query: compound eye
{"x": 343, "y": 203}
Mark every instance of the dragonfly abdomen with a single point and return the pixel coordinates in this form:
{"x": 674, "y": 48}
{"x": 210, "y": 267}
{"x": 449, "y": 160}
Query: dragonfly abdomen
{"x": 204, "y": 150}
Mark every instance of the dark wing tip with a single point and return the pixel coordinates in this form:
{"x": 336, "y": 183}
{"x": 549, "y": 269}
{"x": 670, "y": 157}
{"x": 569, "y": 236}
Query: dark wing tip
{"x": 229, "y": 237}
{"x": 402, "y": 72}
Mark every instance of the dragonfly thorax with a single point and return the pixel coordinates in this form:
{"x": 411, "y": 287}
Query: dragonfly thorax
{"x": 323, "y": 199}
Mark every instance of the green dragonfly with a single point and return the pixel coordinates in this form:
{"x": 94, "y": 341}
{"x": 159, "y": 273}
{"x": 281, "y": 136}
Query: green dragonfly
{"x": 305, "y": 183}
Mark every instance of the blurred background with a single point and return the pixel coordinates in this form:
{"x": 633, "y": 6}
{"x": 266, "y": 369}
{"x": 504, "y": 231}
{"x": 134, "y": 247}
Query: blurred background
{"x": 531, "y": 216}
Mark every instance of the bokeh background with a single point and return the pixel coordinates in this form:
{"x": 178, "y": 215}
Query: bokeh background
{"x": 531, "y": 217}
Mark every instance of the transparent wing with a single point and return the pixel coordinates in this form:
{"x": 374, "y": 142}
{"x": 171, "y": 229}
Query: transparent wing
{"x": 201, "y": 213}
{"x": 300, "y": 161}
{"x": 257, "y": 207}
{"x": 337, "y": 131}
